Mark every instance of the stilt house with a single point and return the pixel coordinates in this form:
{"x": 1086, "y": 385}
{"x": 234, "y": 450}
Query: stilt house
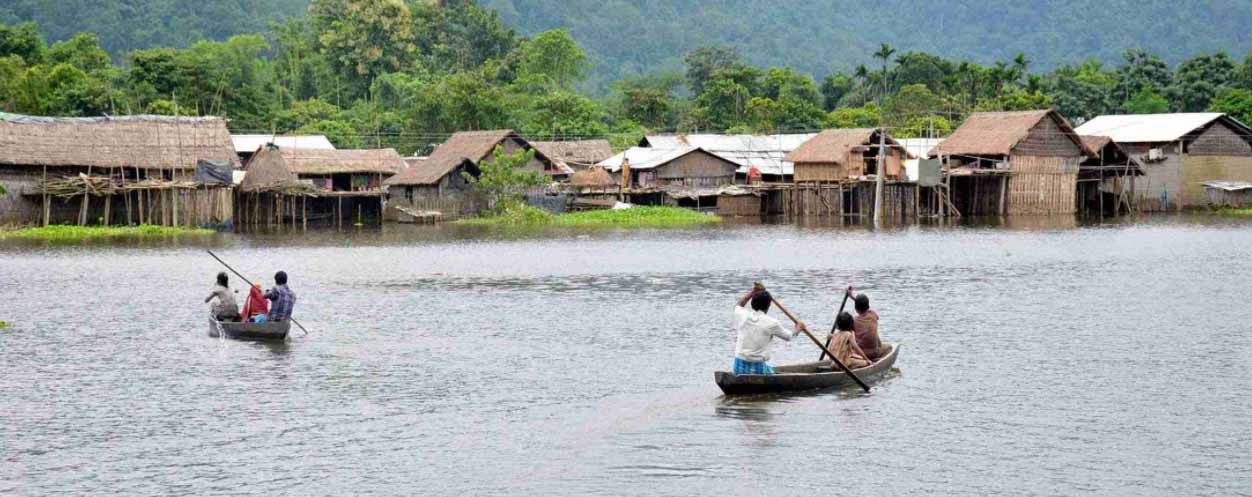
{"x": 1179, "y": 154}
{"x": 839, "y": 155}
{"x": 1013, "y": 163}
{"x": 338, "y": 186}
{"x": 687, "y": 176}
{"x": 113, "y": 170}
{"x": 1106, "y": 180}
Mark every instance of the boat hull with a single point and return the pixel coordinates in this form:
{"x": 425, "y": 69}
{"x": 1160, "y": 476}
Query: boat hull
{"x": 801, "y": 377}
{"x": 265, "y": 332}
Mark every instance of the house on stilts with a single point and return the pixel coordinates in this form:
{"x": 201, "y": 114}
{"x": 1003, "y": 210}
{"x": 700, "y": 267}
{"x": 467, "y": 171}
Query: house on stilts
{"x": 836, "y": 175}
{"x": 116, "y": 170}
{"x": 332, "y": 187}
{"x": 1179, "y": 153}
{"x": 1013, "y": 163}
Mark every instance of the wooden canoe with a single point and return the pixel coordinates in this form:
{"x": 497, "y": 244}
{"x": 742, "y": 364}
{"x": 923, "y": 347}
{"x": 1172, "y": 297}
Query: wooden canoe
{"x": 267, "y": 331}
{"x": 800, "y": 377}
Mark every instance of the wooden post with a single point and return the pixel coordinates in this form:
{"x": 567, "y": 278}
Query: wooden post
{"x": 1004, "y": 193}
{"x": 108, "y": 206}
{"x": 304, "y": 210}
{"x": 47, "y": 207}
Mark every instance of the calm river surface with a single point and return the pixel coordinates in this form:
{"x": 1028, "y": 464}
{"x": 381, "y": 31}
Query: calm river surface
{"x": 1036, "y": 360}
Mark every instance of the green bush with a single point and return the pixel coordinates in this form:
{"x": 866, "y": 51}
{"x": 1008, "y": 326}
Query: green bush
{"x": 640, "y": 217}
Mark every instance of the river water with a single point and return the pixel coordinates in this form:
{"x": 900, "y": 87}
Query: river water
{"x": 1037, "y": 360}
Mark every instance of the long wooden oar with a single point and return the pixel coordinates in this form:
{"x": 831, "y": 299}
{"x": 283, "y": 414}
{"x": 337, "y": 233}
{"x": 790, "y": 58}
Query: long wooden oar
{"x": 843, "y": 304}
{"x": 824, "y": 348}
{"x": 250, "y": 285}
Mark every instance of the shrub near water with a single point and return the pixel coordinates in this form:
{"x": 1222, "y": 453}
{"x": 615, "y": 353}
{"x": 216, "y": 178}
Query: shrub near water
{"x": 642, "y": 217}
{"x": 79, "y": 233}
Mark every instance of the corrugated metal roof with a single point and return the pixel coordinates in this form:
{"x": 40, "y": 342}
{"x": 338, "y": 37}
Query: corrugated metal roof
{"x": 645, "y": 157}
{"x": 250, "y": 143}
{"x": 1147, "y": 128}
{"x": 766, "y": 152}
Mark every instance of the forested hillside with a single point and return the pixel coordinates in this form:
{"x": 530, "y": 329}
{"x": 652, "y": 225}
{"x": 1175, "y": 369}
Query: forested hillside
{"x": 124, "y": 25}
{"x": 405, "y": 73}
{"x": 817, "y": 36}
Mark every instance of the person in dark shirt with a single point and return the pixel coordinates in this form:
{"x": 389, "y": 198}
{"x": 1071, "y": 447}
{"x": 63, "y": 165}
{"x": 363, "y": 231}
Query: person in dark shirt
{"x": 284, "y": 299}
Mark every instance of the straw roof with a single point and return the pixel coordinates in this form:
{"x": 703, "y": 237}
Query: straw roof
{"x": 267, "y": 170}
{"x": 127, "y": 141}
{"x": 304, "y": 161}
{"x": 593, "y": 177}
{"x": 575, "y": 152}
{"x": 997, "y": 133}
{"x": 462, "y": 147}
{"x": 835, "y": 145}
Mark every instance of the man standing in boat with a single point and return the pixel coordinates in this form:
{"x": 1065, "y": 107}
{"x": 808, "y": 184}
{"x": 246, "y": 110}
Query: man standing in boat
{"x": 757, "y": 331}
{"x": 284, "y": 299}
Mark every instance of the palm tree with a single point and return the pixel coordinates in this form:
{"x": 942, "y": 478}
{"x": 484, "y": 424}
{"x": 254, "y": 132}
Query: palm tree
{"x": 884, "y": 53}
{"x": 862, "y": 74}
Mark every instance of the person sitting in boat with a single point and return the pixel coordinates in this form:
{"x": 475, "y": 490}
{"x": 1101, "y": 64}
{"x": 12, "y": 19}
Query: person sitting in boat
{"x": 843, "y": 343}
{"x": 757, "y": 331}
{"x": 256, "y": 309}
{"x": 284, "y": 299}
{"x": 225, "y": 308}
{"x": 866, "y": 328}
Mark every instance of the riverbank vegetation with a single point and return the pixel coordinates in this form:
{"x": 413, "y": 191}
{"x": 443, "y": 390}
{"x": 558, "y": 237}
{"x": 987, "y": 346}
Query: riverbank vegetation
{"x": 1229, "y": 211}
{"x": 635, "y": 217}
{"x": 405, "y": 74}
{"x": 83, "y": 233}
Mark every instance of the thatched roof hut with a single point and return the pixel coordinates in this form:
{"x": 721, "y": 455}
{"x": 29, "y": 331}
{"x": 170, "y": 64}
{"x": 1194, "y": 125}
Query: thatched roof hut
{"x": 146, "y": 142}
{"x": 267, "y": 171}
{"x": 1035, "y": 132}
{"x": 323, "y": 162}
{"x": 595, "y": 177}
{"x": 839, "y": 154}
{"x": 837, "y": 145}
{"x": 466, "y": 147}
{"x": 575, "y": 155}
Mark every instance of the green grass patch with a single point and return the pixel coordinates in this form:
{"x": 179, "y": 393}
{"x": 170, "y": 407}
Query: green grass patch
{"x": 4, "y": 324}
{"x": 66, "y": 233}
{"x": 635, "y": 217}
{"x": 1235, "y": 212}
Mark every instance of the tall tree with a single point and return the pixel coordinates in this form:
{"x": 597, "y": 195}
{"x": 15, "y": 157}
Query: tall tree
{"x": 703, "y": 62}
{"x": 363, "y": 39}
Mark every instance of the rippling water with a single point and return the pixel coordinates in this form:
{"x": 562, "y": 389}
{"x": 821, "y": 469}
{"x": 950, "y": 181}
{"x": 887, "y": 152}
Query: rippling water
{"x": 1036, "y": 360}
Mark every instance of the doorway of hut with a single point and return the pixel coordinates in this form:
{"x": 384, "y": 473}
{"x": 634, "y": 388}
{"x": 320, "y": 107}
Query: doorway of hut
{"x": 979, "y": 195}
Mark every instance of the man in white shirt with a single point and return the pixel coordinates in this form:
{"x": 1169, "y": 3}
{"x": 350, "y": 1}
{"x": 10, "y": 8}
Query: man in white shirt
{"x": 757, "y": 332}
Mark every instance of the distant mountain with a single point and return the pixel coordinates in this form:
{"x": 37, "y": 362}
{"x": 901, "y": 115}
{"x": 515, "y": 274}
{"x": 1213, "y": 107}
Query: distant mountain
{"x": 817, "y": 36}
{"x": 124, "y": 25}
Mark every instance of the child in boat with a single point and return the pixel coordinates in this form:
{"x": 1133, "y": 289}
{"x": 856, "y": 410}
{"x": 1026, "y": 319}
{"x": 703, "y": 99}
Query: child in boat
{"x": 256, "y": 308}
{"x": 757, "y": 332}
{"x": 843, "y": 343}
{"x": 225, "y": 308}
{"x": 866, "y": 329}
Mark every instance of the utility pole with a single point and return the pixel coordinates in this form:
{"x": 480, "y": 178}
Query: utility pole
{"x": 878, "y": 183}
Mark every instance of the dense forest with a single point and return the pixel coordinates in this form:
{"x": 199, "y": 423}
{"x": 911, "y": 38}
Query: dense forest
{"x": 406, "y": 73}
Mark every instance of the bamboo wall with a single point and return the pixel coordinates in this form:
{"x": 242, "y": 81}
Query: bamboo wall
{"x": 829, "y": 172}
{"x": 739, "y": 205}
{"x": 1042, "y": 185}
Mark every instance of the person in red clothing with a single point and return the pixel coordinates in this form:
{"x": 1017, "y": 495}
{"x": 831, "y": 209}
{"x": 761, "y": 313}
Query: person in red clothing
{"x": 256, "y": 304}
